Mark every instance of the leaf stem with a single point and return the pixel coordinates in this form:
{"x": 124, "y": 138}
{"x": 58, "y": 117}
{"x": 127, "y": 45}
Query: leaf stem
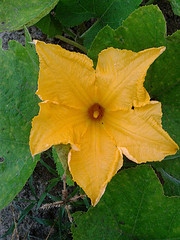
{"x": 71, "y": 42}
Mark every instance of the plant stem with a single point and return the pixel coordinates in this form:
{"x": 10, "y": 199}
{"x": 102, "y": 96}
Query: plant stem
{"x": 71, "y": 42}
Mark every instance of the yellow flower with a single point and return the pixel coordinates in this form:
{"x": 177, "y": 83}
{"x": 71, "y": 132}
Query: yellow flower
{"x": 102, "y": 113}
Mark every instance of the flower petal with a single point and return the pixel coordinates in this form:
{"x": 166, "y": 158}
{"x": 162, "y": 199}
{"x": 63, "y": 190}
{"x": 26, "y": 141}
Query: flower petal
{"x": 139, "y": 133}
{"x": 96, "y": 163}
{"x": 65, "y": 77}
{"x": 56, "y": 124}
{"x": 120, "y": 75}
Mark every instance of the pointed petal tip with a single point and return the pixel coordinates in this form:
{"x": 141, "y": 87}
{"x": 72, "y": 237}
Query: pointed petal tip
{"x": 32, "y": 153}
{"x": 162, "y": 49}
{"x": 94, "y": 201}
{"x": 176, "y": 147}
{"x": 127, "y": 154}
{"x": 35, "y": 41}
{"x": 32, "y": 43}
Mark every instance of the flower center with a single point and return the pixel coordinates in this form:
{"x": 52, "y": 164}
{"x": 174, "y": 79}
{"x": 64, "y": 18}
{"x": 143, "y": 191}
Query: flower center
{"x": 96, "y": 112}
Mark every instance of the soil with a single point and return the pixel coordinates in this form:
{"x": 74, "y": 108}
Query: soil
{"x": 41, "y": 175}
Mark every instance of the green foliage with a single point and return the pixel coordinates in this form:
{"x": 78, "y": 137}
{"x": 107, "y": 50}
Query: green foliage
{"x": 59, "y": 225}
{"x": 175, "y": 4}
{"x": 23, "y": 214}
{"x": 19, "y": 74}
{"x": 170, "y": 172}
{"x": 15, "y": 14}
{"x": 162, "y": 81}
{"x": 163, "y": 84}
{"x": 144, "y": 28}
{"x": 111, "y": 12}
{"x": 53, "y": 182}
{"x": 50, "y": 26}
{"x": 134, "y": 205}
{"x": 141, "y": 211}
{"x": 60, "y": 155}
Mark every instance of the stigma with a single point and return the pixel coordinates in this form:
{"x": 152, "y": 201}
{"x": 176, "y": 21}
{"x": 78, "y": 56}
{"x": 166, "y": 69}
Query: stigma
{"x": 96, "y": 112}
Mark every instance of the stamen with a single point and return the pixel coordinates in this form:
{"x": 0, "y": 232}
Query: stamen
{"x": 96, "y": 114}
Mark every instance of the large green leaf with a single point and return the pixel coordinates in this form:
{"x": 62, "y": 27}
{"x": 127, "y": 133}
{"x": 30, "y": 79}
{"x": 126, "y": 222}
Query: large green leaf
{"x": 15, "y": 14}
{"x": 112, "y": 12}
{"x": 19, "y": 74}
{"x": 133, "y": 207}
{"x": 170, "y": 173}
{"x": 50, "y": 26}
{"x": 145, "y": 28}
{"x": 163, "y": 83}
{"x": 175, "y": 4}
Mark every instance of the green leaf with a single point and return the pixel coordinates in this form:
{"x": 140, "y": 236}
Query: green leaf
{"x": 170, "y": 172}
{"x": 163, "y": 84}
{"x": 133, "y": 207}
{"x": 112, "y": 12}
{"x": 171, "y": 184}
{"x": 175, "y": 4}
{"x": 60, "y": 155}
{"x": 15, "y": 14}
{"x": 144, "y": 28}
{"x": 19, "y": 74}
{"x": 50, "y": 26}
{"x": 53, "y": 182}
{"x": 166, "y": 165}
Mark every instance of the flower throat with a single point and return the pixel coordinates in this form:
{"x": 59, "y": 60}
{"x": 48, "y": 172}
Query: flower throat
{"x": 96, "y": 112}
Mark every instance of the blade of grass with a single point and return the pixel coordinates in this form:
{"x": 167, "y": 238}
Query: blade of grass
{"x": 43, "y": 221}
{"x": 22, "y": 216}
{"x": 24, "y": 200}
{"x": 60, "y": 223}
{"x": 49, "y": 187}
{"x": 54, "y": 198}
{"x": 32, "y": 187}
{"x": 86, "y": 202}
{"x": 73, "y": 193}
{"x": 50, "y": 169}
{"x": 25, "y": 212}
{"x": 9, "y": 231}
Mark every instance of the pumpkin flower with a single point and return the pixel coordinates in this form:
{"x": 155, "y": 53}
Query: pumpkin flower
{"x": 103, "y": 113}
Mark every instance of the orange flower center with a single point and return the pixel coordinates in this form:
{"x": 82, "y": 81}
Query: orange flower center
{"x": 96, "y": 112}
